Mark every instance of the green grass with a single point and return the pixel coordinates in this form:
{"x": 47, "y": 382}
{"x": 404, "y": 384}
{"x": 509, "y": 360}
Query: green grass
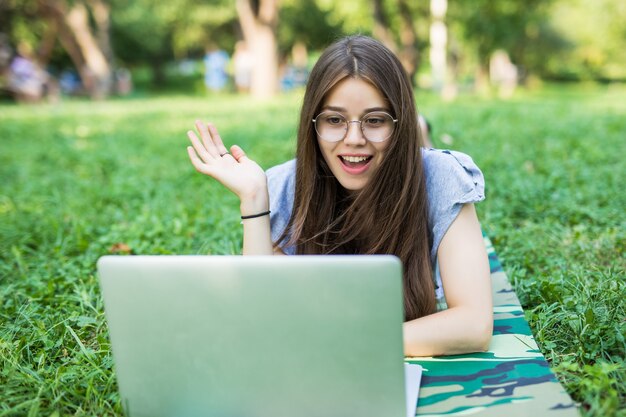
{"x": 84, "y": 179}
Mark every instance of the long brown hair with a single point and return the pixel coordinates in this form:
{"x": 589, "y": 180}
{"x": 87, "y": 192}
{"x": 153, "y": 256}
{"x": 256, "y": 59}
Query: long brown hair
{"x": 390, "y": 214}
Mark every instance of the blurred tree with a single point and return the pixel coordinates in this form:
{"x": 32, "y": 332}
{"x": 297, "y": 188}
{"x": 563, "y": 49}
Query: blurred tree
{"x": 394, "y": 22}
{"x": 259, "y": 21}
{"x": 410, "y": 23}
{"x": 488, "y": 25}
{"x": 409, "y": 48}
{"x": 21, "y": 21}
{"x": 307, "y": 23}
{"x": 382, "y": 25}
{"x": 439, "y": 46}
{"x": 562, "y": 39}
{"x": 594, "y": 38}
{"x": 83, "y": 29}
{"x": 353, "y": 16}
{"x": 171, "y": 30}
{"x": 142, "y": 37}
{"x": 80, "y": 26}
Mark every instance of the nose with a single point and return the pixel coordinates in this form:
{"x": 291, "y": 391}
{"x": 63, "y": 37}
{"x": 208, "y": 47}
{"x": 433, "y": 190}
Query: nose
{"x": 354, "y": 135}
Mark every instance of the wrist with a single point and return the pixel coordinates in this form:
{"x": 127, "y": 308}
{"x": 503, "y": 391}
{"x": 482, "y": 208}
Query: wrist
{"x": 254, "y": 203}
{"x": 256, "y": 215}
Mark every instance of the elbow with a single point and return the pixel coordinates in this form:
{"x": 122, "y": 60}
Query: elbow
{"x": 474, "y": 335}
{"x": 483, "y": 330}
{"x": 484, "y": 343}
{"x": 479, "y": 329}
{"x": 477, "y": 333}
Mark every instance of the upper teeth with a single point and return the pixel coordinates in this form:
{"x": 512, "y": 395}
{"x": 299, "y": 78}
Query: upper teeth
{"x": 354, "y": 158}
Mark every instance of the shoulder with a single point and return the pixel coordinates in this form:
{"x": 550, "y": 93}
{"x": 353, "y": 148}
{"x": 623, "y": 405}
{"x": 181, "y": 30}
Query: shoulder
{"x": 281, "y": 188}
{"x": 281, "y": 173}
{"x": 452, "y": 179}
{"x": 281, "y": 183}
{"x": 452, "y": 169}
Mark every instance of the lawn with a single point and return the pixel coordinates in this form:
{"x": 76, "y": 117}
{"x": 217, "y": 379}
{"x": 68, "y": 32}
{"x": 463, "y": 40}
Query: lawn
{"x": 79, "y": 180}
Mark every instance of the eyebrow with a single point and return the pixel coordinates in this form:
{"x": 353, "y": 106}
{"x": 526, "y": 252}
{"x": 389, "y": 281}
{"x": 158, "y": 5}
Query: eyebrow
{"x": 365, "y": 111}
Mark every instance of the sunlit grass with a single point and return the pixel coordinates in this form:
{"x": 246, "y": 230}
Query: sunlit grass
{"x": 83, "y": 179}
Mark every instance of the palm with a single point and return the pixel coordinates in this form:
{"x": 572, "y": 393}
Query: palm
{"x": 242, "y": 178}
{"x": 236, "y": 172}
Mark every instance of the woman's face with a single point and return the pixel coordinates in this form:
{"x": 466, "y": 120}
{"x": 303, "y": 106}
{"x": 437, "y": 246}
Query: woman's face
{"x": 353, "y": 160}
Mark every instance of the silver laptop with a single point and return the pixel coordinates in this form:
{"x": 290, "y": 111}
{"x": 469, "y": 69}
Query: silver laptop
{"x": 266, "y": 336}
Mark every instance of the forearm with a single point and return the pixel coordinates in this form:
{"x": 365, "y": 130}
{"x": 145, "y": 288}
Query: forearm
{"x": 241, "y": 175}
{"x": 449, "y": 332}
{"x": 466, "y": 326}
{"x": 256, "y": 231}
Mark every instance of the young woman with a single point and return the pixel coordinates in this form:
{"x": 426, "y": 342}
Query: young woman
{"x": 362, "y": 184}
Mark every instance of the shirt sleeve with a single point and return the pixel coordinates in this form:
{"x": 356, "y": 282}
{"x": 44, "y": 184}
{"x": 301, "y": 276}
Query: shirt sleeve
{"x": 452, "y": 179}
{"x": 281, "y": 188}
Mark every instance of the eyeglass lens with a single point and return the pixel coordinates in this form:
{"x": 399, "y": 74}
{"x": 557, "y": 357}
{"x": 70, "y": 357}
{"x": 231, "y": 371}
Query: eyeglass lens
{"x": 333, "y": 127}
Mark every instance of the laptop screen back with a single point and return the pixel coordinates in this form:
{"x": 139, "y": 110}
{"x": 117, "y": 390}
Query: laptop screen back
{"x": 271, "y": 336}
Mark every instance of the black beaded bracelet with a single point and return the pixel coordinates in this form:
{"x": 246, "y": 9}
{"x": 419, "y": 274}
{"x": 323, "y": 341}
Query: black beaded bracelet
{"x": 252, "y": 216}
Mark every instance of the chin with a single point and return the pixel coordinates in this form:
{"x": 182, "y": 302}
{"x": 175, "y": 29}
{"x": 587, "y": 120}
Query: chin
{"x": 351, "y": 184}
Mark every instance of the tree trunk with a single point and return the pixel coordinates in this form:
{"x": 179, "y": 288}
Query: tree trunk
{"x": 259, "y": 31}
{"x": 49, "y": 39}
{"x": 382, "y": 30}
{"x": 68, "y": 41}
{"x": 77, "y": 39}
{"x": 438, "y": 44}
{"x": 78, "y": 21}
{"x": 158, "y": 71}
{"x": 102, "y": 17}
{"x": 408, "y": 39}
{"x": 481, "y": 82}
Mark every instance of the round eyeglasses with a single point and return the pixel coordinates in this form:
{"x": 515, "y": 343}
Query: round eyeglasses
{"x": 376, "y": 126}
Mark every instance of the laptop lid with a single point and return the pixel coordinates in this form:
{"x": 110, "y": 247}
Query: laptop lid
{"x": 245, "y": 336}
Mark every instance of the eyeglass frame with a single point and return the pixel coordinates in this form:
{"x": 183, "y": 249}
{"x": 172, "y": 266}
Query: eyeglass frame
{"x": 348, "y": 122}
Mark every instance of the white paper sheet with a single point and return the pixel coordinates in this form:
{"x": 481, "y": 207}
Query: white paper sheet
{"x": 412, "y": 379}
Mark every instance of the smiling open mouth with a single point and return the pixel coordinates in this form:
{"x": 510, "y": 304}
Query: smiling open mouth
{"x": 355, "y": 161}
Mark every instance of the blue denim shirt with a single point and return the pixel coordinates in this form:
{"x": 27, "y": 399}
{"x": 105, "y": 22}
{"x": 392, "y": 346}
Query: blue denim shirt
{"x": 452, "y": 179}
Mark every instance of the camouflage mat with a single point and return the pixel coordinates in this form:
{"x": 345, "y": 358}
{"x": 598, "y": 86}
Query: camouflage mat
{"x": 511, "y": 379}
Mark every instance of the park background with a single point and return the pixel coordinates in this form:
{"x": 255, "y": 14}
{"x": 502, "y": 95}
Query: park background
{"x": 93, "y": 162}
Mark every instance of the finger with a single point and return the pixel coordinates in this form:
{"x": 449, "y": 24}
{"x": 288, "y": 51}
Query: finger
{"x": 207, "y": 140}
{"x": 217, "y": 139}
{"x": 199, "y": 147}
{"x": 238, "y": 153}
{"x": 197, "y": 162}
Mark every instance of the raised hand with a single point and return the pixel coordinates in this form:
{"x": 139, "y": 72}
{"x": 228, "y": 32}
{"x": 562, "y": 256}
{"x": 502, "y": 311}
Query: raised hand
{"x": 234, "y": 170}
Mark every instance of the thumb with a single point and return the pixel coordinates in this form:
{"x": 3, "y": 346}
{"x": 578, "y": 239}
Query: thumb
{"x": 238, "y": 153}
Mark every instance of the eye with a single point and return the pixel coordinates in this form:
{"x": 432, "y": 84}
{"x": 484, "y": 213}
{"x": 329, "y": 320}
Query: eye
{"x": 375, "y": 120}
{"x": 334, "y": 120}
